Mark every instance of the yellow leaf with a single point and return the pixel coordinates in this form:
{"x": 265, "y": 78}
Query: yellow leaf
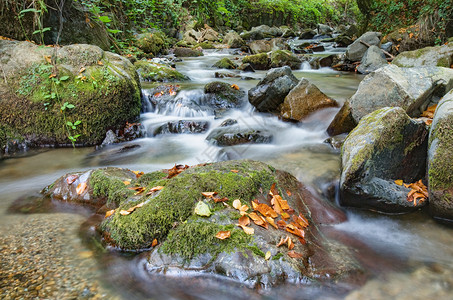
{"x": 399, "y": 182}
{"x": 48, "y": 58}
{"x": 222, "y": 235}
{"x": 209, "y": 194}
{"x": 82, "y": 69}
{"x": 268, "y": 255}
{"x": 154, "y": 243}
{"x": 100, "y": 63}
{"x": 247, "y": 230}
{"x": 126, "y": 182}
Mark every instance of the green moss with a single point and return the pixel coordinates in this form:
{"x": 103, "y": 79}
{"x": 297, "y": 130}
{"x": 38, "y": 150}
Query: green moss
{"x": 234, "y": 215}
{"x": 110, "y": 187}
{"x": 175, "y": 203}
{"x": 155, "y": 43}
{"x": 440, "y": 170}
{"x": 204, "y": 45}
{"x": 196, "y": 237}
{"x": 225, "y": 63}
{"x": 277, "y": 256}
{"x": 257, "y": 251}
{"x": 258, "y": 61}
{"x": 7, "y": 134}
{"x": 280, "y": 58}
{"x": 157, "y": 72}
{"x": 151, "y": 179}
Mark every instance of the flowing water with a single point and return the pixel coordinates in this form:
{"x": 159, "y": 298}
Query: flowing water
{"x": 423, "y": 248}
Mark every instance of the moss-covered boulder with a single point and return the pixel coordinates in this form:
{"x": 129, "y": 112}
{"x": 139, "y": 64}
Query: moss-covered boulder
{"x": 261, "y": 32}
{"x": 439, "y": 56}
{"x": 149, "y": 71}
{"x": 258, "y": 61}
{"x": 440, "y": 158}
{"x": 167, "y": 208}
{"x": 153, "y": 42}
{"x": 260, "y": 46}
{"x": 204, "y": 45}
{"x": 304, "y": 99}
{"x": 280, "y": 58}
{"x": 187, "y": 52}
{"x": 42, "y": 89}
{"x": 386, "y": 145}
{"x": 225, "y": 63}
{"x": 221, "y": 96}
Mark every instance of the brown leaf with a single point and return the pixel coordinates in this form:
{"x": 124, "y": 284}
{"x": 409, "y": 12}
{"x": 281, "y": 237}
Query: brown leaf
{"x": 209, "y": 194}
{"x": 217, "y": 200}
{"x": 302, "y": 241}
{"x": 258, "y": 220}
{"x": 247, "y": 230}
{"x": 255, "y": 204}
{"x": 428, "y": 121}
{"x": 221, "y": 235}
{"x": 52, "y": 75}
{"x": 283, "y": 203}
{"x": 244, "y": 220}
{"x": 266, "y": 210}
{"x": 281, "y": 224}
{"x": 301, "y": 221}
{"x": 82, "y": 69}
{"x": 234, "y": 171}
{"x": 291, "y": 228}
{"x": 48, "y": 58}
{"x": 154, "y": 243}
{"x": 295, "y": 254}
{"x": 81, "y": 188}
{"x": 100, "y": 63}
{"x": 126, "y": 182}
{"x": 271, "y": 221}
{"x": 276, "y": 205}
{"x": 285, "y": 215}
{"x": 290, "y": 244}
{"x": 154, "y": 189}
{"x": 273, "y": 191}
{"x": 109, "y": 213}
{"x": 283, "y": 241}
{"x": 71, "y": 178}
{"x": 429, "y": 112}
{"x": 176, "y": 170}
{"x": 137, "y": 189}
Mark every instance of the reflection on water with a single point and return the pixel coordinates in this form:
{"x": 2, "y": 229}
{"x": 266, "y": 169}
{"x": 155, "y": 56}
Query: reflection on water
{"x": 297, "y": 148}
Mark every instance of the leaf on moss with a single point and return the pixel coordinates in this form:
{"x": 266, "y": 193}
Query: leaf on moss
{"x": 154, "y": 189}
{"x": 222, "y": 235}
{"x": 138, "y": 174}
{"x": 247, "y": 230}
{"x": 109, "y": 213}
{"x": 202, "y": 209}
{"x": 154, "y": 243}
{"x": 244, "y": 220}
{"x": 209, "y": 194}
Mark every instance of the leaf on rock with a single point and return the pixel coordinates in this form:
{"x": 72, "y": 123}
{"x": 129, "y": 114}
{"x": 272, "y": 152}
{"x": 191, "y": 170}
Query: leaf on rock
{"x": 176, "y": 170}
{"x": 71, "y": 178}
{"x": 234, "y": 171}
{"x": 271, "y": 221}
{"x": 292, "y": 228}
{"x": 247, "y": 230}
{"x": 221, "y": 235}
{"x": 300, "y": 221}
{"x": 48, "y": 58}
{"x": 81, "y": 188}
{"x": 399, "y": 182}
{"x": 131, "y": 209}
{"x": 258, "y": 220}
{"x": 281, "y": 224}
{"x": 109, "y": 213}
{"x": 285, "y": 215}
{"x": 235, "y": 86}
{"x": 202, "y": 209}
{"x": 290, "y": 244}
{"x": 255, "y": 204}
{"x": 138, "y": 174}
{"x": 244, "y": 220}
{"x": 288, "y": 192}
{"x": 237, "y": 204}
{"x": 429, "y": 112}
{"x": 268, "y": 255}
{"x": 137, "y": 189}
{"x": 266, "y": 210}
{"x": 283, "y": 241}
{"x": 82, "y": 69}
{"x": 295, "y": 254}
{"x": 418, "y": 191}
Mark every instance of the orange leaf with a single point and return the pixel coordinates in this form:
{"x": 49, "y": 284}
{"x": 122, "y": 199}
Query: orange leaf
{"x": 295, "y": 254}
{"x": 109, "y": 213}
{"x": 154, "y": 189}
{"x": 81, "y": 188}
{"x": 221, "y": 235}
{"x": 71, "y": 178}
{"x": 266, "y": 210}
{"x": 285, "y": 215}
{"x": 288, "y": 192}
{"x": 255, "y": 204}
{"x": 100, "y": 63}
{"x": 216, "y": 200}
{"x": 273, "y": 191}
{"x": 48, "y": 58}
{"x": 154, "y": 243}
{"x": 301, "y": 221}
{"x": 247, "y": 230}
{"x": 82, "y": 69}
{"x": 283, "y": 241}
{"x": 124, "y": 212}
{"x": 237, "y": 204}
{"x": 271, "y": 221}
{"x": 283, "y": 203}
{"x": 172, "y": 92}
{"x": 294, "y": 230}
{"x": 126, "y": 182}
{"x": 138, "y": 174}
{"x": 399, "y": 182}
{"x": 276, "y": 205}
{"x": 290, "y": 244}
{"x": 52, "y": 75}
{"x": 282, "y": 224}
{"x": 234, "y": 171}
{"x": 176, "y": 170}
{"x": 209, "y": 194}
{"x": 235, "y": 86}
{"x": 159, "y": 94}
{"x": 244, "y": 220}
{"x": 258, "y": 220}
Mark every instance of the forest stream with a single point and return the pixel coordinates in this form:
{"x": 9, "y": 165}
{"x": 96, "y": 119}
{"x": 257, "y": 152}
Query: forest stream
{"x": 408, "y": 256}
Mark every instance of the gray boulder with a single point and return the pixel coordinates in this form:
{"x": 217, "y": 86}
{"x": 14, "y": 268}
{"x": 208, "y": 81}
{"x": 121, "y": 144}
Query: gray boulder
{"x": 260, "y": 46}
{"x": 386, "y": 145}
{"x": 261, "y": 32}
{"x": 238, "y": 135}
{"x": 191, "y": 36}
{"x": 356, "y": 50}
{"x": 324, "y": 29}
{"x": 372, "y": 60}
{"x": 303, "y": 100}
{"x": 440, "y": 158}
{"x": 280, "y": 58}
{"x": 233, "y": 40}
{"x": 182, "y": 126}
{"x": 272, "y": 90}
{"x": 439, "y": 56}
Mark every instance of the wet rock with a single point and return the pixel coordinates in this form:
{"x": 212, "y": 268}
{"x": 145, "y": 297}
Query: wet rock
{"x": 372, "y": 60}
{"x": 226, "y": 75}
{"x": 233, "y": 40}
{"x": 260, "y": 46}
{"x": 324, "y": 29}
{"x": 149, "y": 71}
{"x": 280, "y": 58}
{"x": 261, "y": 32}
{"x": 272, "y": 90}
{"x": 387, "y": 47}
{"x": 101, "y": 104}
{"x": 191, "y": 36}
{"x": 287, "y": 32}
{"x": 246, "y": 67}
{"x": 385, "y": 146}
{"x": 225, "y": 63}
{"x": 336, "y": 141}
{"x": 343, "y": 121}
{"x": 186, "y": 52}
{"x": 221, "y": 95}
{"x": 228, "y": 122}
{"x": 328, "y": 61}
{"x": 258, "y": 61}
{"x": 304, "y": 99}
{"x": 110, "y": 138}
{"x": 351, "y": 31}
{"x": 439, "y": 56}
{"x": 343, "y": 41}
{"x": 307, "y": 35}
{"x": 182, "y": 127}
{"x": 440, "y": 157}
{"x": 317, "y": 48}
{"x": 153, "y": 42}
{"x": 236, "y": 135}
{"x": 356, "y": 50}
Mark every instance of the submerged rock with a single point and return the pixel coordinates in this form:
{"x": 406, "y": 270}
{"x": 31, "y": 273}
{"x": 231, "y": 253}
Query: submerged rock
{"x": 439, "y": 56}
{"x": 304, "y": 99}
{"x": 237, "y": 135}
{"x": 182, "y": 127}
{"x": 440, "y": 158}
{"x": 385, "y": 146}
{"x": 272, "y": 90}
{"x": 104, "y": 94}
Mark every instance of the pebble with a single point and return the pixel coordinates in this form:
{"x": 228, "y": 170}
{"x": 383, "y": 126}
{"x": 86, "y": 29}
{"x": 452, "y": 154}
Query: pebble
{"x": 41, "y": 257}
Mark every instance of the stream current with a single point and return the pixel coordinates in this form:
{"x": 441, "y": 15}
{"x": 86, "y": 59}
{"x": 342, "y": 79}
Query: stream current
{"x": 418, "y": 252}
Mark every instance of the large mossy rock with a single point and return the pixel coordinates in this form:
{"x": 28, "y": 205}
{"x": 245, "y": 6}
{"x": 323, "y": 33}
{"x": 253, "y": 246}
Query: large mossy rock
{"x": 270, "y": 92}
{"x": 304, "y": 99}
{"x": 103, "y": 87}
{"x": 356, "y": 50}
{"x": 280, "y": 58}
{"x": 185, "y": 224}
{"x": 233, "y": 40}
{"x": 439, "y": 56}
{"x": 221, "y": 95}
{"x": 187, "y": 52}
{"x": 440, "y": 158}
{"x": 153, "y": 42}
{"x": 386, "y": 145}
{"x": 149, "y": 71}
{"x": 225, "y": 63}
{"x": 258, "y": 61}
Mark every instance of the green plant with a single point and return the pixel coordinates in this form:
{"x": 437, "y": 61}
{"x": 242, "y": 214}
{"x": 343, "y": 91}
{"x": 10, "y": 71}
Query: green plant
{"x": 39, "y": 9}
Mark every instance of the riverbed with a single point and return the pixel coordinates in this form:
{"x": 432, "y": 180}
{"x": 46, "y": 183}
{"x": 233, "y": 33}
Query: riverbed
{"x": 45, "y": 255}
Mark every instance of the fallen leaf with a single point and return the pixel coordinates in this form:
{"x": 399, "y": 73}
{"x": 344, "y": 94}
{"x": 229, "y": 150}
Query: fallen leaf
{"x": 281, "y": 224}
{"x": 273, "y": 191}
{"x": 266, "y": 210}
{"x": 247, "y": 230}
{"x": 124, "y": 212}
{"x": 209, "y": 194}
{"x": 244, "y": 220}
{"x": 159, "y": 94}
{"x": 276, "y": 205}
{"x": 258, "y": 220}
{"x": 283, "y": 241}
{"x": 86, "y": 254}
{"x": 177, "y": 169}
{"x": 235, "y": 86}
{"x": 237, "y": 204}
{"x": 172, "y": 92}
{"x": 285, "y": 215}
{"x": 292, "y": 228}
{"x": 81, "y": 188}
{"x": 271, "y": 221}
{"x": 429, "y": 121}
{"x": 71, "y": 178}
{"x": 109, "y": 213}
{"x": 137, "y": 189}
{"x": 283, "y": 203}
{"x": 399, "y": 182}
{"x": 48, "y": 58}
{"x": 290, "y": 244}
{"x": 300, "y": 221}
{"x": 138, "y": 174}
{"x": 82, "y": 69}
{"x": 243, "y": 209}
{"x": 52, "y": 75}
{"x": 234, "y": 171}
{"x": 268, "y": 255}
{"x": 429, "y": 112}
{"x": 255, "y": 204}
{"x": 126, "y": 182}
{"x": 295, "y": 254}
{"x": 202, "y": 209}
{"x": 221, "y": 235}
{"x": 83, "y": 78}
{"x": 154, "y": 243}
{"x": 154, "y": 189}
{"x": 100, "y": 63}
{"x": 217, "y": 200}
